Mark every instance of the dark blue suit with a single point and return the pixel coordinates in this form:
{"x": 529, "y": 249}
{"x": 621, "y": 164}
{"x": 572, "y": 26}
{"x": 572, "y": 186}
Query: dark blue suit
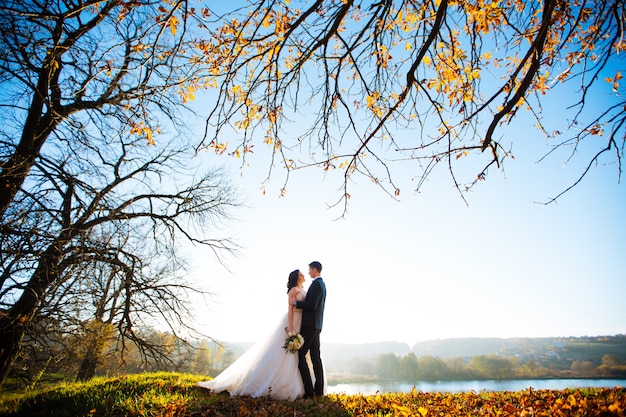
{"x": 312, "y": 321}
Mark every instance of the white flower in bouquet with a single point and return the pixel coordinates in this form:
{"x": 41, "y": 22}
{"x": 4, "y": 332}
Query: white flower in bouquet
{"x": 293, "y": 342}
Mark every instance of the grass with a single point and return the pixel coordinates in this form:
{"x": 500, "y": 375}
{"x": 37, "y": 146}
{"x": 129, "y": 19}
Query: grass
{"x": 152, "y": 394}
{"x": 174, "y": 394}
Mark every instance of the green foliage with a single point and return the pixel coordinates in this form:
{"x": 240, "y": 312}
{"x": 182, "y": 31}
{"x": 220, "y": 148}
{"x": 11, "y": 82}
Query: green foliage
{"x": 173, "y": 394}
{"x": 541, "y": 358}
{"x": 389, "y": 366}
{"x": 133, "y": 395}
{"x": 493, "y": 366}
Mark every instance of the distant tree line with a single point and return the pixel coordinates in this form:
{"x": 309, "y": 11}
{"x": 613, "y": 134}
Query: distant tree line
{"x": 55, "y": 351}
{"x": 62, "y": 355}
{"x": 480, "y": 358}
{"x": 390, "y": 366}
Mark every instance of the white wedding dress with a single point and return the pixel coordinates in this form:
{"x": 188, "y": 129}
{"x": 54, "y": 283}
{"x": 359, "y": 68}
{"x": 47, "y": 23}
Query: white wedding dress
{"x": 265, "y": 369}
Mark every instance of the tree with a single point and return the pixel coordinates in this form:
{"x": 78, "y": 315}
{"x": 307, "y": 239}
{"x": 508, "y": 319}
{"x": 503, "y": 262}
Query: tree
{"x": 202, "y": 360}
{"x": 105, "y": 252}
{"x": 361, "y": 366}
{"x": 492, "y": 366}
{"x": 409, "y": 367}
{"x": 106, "y": 247}
{"x": 70, "y": 64}
{"x": 530, "y": 369}
{"x": 120, "y": 288}
{"x": 432, "y": 368}
{"x": 388, "y": 366}
{"x": 611, "y": 360}
{"x": 85, "y": 87}
{"x": 365, "y": 83}
{"x": 582, "y": 367}
{"x": 457, "y": 369}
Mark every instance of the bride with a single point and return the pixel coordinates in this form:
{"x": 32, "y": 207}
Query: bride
{"x": 266, "y": 369}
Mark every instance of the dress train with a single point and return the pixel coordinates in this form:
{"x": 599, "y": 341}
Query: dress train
{"x": 265, "y": 369}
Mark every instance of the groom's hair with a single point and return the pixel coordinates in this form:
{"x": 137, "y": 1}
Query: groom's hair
{"x": 316, "y": 265}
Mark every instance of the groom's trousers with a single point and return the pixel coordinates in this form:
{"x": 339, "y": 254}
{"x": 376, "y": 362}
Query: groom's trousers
{"x": 311, "y": 344}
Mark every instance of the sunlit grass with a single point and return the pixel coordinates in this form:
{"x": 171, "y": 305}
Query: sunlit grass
{"x": 174, "y": 394}
{"x": 152, "y": 394}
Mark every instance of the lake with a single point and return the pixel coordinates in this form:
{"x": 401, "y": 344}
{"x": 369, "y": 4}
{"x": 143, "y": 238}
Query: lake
{"x": 478, "y": 386}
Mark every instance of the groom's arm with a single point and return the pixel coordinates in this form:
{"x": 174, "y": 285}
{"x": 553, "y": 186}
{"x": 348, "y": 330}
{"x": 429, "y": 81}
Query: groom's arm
{"x": 313, "y": 298}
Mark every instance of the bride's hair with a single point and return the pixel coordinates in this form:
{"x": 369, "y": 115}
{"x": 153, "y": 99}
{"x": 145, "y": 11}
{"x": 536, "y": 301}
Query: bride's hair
{"x": 293, "y": 279}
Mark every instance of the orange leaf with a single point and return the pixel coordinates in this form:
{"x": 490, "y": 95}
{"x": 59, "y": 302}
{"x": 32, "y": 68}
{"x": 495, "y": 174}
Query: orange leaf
{"x": 173, "y": 24}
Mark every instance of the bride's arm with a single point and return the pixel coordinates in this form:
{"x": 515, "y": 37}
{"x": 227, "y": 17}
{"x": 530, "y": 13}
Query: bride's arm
{"x": 292, "y": 299}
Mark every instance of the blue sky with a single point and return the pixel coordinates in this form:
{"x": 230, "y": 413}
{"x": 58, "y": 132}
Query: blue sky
{"x": 429, "y": 266}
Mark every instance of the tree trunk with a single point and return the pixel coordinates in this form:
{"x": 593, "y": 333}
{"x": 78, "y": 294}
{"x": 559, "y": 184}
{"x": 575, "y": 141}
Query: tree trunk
{"x": 45, "y": 111}
{"x": 15, "y": 321}
{"x": 14, "y": 171}
{"x": 12, "y": 334}
{"x": 90, "y": 361}
{"x": 96, "y": 335}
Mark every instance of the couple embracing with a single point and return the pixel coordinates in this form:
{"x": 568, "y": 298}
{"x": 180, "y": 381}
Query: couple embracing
{"x": 267, "y": 368}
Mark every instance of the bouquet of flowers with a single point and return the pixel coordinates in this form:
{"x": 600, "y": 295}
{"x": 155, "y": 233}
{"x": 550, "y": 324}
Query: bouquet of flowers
{"x": 293, "y": 342}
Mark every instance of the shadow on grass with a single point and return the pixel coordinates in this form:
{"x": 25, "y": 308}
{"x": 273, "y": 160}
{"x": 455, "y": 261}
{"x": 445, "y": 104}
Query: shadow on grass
{"x": 224, "y": 405}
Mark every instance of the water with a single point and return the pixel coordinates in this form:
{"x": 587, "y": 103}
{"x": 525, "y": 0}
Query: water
{"x": 477, "y": 386}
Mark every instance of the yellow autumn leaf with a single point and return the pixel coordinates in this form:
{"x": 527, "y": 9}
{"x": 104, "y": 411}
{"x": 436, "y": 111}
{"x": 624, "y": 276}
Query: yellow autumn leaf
{"x": 54, "y": 65}
{"x": 572, "y": 400}
{"x": 173, "y": 24}
{"x": 266, "y": 21}
{"x": 472, "y": 73}
{"x": 399, "y": 408}
{"x": 149, "y": 136}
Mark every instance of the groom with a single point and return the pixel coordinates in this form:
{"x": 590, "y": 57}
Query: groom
{"x": 312, "y": 318}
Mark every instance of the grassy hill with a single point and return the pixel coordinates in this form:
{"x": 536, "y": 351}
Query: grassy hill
{"x": 172, "y": 394}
